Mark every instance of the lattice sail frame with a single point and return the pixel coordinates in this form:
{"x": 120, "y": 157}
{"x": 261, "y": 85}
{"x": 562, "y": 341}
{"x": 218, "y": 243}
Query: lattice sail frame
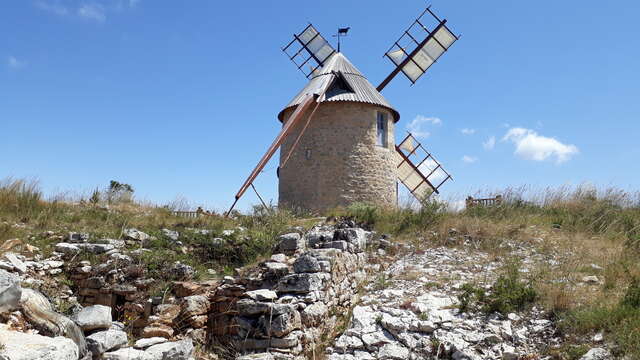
{"x": 309, "y": 42}
{"x": 421, "y": 45}
{"x": 418, "y": 169}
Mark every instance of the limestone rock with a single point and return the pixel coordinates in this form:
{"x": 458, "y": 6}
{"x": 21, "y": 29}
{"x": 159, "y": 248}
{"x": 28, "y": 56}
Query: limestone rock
{"x": 302, "y": 283}
{"x": 306, "y": 264}
{"x": 103, "y": 341}
{"x": 248, "y": 307}
{"x": 38, "y": 311}
{"x": 182, "y": 271}
{"x": 280, "y": 258}
{"x": 136, "y": 235}
{"x": 262, "y": 295}
{"x": 67, "y": 249}
{"x": 194, "y": 305}
{"x": 290, "y": 243}
{"x": 171, "y": 234}
{"x": 145, "y": 343}
{"x": 178, "y": 350}
{"x": 10, "y": 291}
{"x": 17, "y": 263}
{"x": 340, "y": 245}
{"x": 23, "y": 346}
{"x": 347, "y": 343}
{"x": 95, "y": 248}
{"x": 316, "y": 237}
{"x": 393, "y": 351}
{"x": 75, "y": 237}
{"x": 314, "y": 314}
{"x": 261, "y": 356}
{"x": 124, "y": 354}
{"x": 276, "y": 269}
{"x": 157, "y": 330}
{"x": 94, "y": 317}
{"x": 356, "y": 236}
{"x": 186, "y": 288}
{"x": 597, "y": 354}
{"x": 283, "y": 324}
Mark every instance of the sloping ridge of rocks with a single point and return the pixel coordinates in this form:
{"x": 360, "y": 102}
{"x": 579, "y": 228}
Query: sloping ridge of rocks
{"x": 411, "y": 312}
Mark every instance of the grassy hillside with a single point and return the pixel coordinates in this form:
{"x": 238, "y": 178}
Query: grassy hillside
{"x": 578, "y": 233}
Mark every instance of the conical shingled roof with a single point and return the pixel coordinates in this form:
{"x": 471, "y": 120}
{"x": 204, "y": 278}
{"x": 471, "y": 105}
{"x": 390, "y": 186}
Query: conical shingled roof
{"x": 363, "y": 91}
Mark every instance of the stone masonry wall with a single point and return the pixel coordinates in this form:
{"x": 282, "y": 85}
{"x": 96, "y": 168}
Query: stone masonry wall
{"x": 337, "y": 161}
{"x": 286, "y": 304}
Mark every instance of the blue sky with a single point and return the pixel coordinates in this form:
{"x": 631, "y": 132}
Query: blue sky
{"x": 181, "y": 98}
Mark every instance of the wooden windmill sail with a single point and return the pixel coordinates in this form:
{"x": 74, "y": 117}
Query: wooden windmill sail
{"x": 334, "y": 80}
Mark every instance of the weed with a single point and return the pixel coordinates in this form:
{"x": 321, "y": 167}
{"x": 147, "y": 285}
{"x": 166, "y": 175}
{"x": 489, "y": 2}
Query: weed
{"x": 621, "y": 321}
{"x": 509, "y": 293}
{"x": 382, "y": 282}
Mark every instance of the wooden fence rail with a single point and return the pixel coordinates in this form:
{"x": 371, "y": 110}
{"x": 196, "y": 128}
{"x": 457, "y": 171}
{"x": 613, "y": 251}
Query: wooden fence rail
{"x": 471, "y": 202}
{"x": 187, "y": 214}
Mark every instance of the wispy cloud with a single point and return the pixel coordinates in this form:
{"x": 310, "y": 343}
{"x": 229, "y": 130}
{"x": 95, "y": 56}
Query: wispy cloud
{"x": 96, "y": 10}
{"x": 531, "y": 146}
{"x": 52, "y": 7}
{"x": 467, "y": 131}
{"x": 92, "y": 11}
{"x": 14, "y": 63}
{"x": 490, "y": 143}
{"x": 417, "y": 125}
{"x": 469, "y": 159}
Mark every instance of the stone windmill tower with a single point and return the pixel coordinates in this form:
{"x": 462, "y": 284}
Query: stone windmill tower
{"x": 347, "y": 153}
{"x": 337, "y": 143}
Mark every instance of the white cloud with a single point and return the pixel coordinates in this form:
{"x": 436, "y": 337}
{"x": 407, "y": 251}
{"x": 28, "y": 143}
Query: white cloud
{"x": 531, "y": 146}
{"x": 490, "y": 143}
{"x": 52, "y": 7}
{"x": 14, "y": 63}
{"x": 92, "y": 11}
{"x": 467, "y": 131}
{"x": 416, "y": 126}
{"x": 469, "y": 159}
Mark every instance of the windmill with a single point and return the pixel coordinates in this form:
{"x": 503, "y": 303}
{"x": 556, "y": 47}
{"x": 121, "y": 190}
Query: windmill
{"x": 337, "y": 142}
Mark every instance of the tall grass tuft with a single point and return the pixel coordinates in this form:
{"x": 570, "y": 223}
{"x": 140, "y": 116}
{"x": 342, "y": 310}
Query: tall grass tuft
{"x": 21, "y": 199}
{"x": 395, "y": 221}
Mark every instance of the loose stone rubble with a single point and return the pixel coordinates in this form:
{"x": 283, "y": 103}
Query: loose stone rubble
{"x": 410, "y": 312}
{"x": 286, "y": 307}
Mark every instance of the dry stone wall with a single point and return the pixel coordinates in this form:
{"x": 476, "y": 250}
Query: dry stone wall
{"x": 337, "y": 161}
{"x": 286, "y": 304}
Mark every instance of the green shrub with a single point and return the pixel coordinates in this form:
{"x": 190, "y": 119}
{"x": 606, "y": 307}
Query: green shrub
{"x": 621, "y": 321}
{"x": 509, "y": 293}
{"x": 632, "y": 296}
{"x": 394, "y": 220}
{"x": 470, "y": 297}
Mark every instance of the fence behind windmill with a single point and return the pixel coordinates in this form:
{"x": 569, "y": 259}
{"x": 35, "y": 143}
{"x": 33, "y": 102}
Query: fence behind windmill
{"x": 191, "y": 214}
{"x": 494, "y": 201}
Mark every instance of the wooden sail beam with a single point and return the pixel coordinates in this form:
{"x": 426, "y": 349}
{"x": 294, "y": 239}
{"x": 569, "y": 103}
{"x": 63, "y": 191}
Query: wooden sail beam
{"x": 297, "y": 115}
{"x": 410, "y": 57}
{"x": 304, "y": 128}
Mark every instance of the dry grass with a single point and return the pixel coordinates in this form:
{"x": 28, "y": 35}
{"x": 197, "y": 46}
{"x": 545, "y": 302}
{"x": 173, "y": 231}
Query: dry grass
{"x": 564, "y": 234}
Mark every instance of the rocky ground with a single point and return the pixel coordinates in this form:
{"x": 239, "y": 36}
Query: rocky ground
{"x": 409, "y": 307}
{"x": 410, "y": 311}
{"x": 34, "y": 289}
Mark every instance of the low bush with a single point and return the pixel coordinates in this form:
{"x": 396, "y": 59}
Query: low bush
{"x": 509, "y": 293}
{"x": 620, "y": 321}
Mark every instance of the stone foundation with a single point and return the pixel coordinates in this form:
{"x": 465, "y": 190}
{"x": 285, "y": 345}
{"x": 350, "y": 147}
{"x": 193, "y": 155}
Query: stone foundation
{"x": 286, "y": 304}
